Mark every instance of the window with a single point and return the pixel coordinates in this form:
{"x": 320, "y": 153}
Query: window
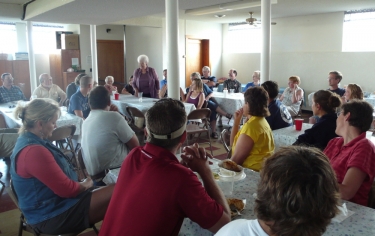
{"x": 8, "y": 39}
{"x": 359, "y": 31}
{"x": 244, "y": 38}
{"x": 44, "y": 38}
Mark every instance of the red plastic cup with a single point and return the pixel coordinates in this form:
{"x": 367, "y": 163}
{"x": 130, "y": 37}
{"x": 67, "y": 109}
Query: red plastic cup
{"x": 298, "y": 124}
{"x": 117, "y": 96}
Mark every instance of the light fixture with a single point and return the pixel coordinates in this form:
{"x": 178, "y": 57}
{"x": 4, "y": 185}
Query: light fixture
{"x": 219, "y": 16}
{"x": 226, "y": 7}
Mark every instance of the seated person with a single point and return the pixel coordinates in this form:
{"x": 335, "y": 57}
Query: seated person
{"x": 79, "y": 103}
{"x": 105, "y": 146}
{"x": 73, "y": 87}
{"x": 128, "y": 89}
{"x": 47, "y": 89}
{"x": 324, "y": 106}
{"x": 293, "y": 95}
{"x": 163, "y": 92}
{"x": 254, "y": 141}
{"x": 295, "y": 196}
{"x": 45, "y": 181}
{"x": 195, "y": 94}
{"x": 280, "y": 116}
{"x": 109, "y": 84}
{"x": 9, "y": 92}
{"x": 334, "y": 79}
{"x": 212, "y": 105}
{"x": 352, "y": 155}
{"x": 256, "y": 81}
{"x": 232, "y": 82}
{"x": 153, "y": 183}
{"x": 353, "y": 91}
{"x": 208, "y": 79}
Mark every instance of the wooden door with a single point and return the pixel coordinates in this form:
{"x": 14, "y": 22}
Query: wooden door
{"x": 197, "y": 56}
{"x": 111, "y": 60}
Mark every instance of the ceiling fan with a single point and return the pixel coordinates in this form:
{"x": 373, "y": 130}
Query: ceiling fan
{"x": 254, "y": 22}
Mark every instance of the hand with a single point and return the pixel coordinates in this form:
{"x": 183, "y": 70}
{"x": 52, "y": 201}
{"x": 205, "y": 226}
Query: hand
{"x": 87, "y": 183}
{"x": 195, "y": 158}
{"x": 238, "y": 114}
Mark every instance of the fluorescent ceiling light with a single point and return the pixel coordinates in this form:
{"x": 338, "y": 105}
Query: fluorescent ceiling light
{"x": 226, "y": 7}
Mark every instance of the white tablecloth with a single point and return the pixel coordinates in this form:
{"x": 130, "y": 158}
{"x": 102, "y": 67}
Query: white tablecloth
{"x": 147, "y": 103}
{"x": 231, "y": 102}
{"x": 287, "y": 136}
{"x": 65, "y": 118}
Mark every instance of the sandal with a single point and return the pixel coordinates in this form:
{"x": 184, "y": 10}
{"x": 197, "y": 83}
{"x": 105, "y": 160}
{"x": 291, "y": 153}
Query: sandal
{"x": 214, "y": 135}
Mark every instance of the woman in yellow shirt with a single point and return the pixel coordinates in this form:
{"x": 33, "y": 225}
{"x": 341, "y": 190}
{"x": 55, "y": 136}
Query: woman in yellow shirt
{"x": 254, "y": 141}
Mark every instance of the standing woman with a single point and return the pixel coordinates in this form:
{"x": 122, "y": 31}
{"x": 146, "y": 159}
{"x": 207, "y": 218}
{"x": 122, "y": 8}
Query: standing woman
{"x": 196, "y": 95}
{"x": 293, "y": 95}
{"x": 49, "y": 194}
{"x": 254, "y": 141}
{"x": 145, "y": 79}
{"x": 352, "y": 91}
{"x": 324, "y": 106}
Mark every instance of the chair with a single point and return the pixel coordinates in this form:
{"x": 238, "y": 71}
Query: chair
{"x": 299, "y": 114}
{"x": 3, "y": 124}
{"x": 192, "y": 129}
{"x": 133, "y": 113}
{"x": 24, "y": 226}
{"x": 225, "y": 139}
{"x": 63, "y": 136}
{"x": 205, "y": 103}
{"x": 82, "y": 168}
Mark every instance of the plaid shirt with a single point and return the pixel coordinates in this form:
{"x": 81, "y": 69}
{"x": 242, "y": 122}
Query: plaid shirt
{"x": 233, "y": 84}
{"x": 12, "y": 94}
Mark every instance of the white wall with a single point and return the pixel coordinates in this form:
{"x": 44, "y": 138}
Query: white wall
{"x": 144, "y": 40}
{"x": 310, "y": 47}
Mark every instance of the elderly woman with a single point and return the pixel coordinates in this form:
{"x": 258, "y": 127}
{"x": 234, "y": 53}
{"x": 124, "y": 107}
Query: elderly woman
{"x": 49, "y": 194}
{"x": 254, "y": 141}
{"x": 353, "y": 91}
{"x": 324, "y": 106}
{"x": 196, "y": 95}
{"x": 293, "y": 95}
{"x": 352, "y": 155}
{"x": 145, "y": 79}
{"x": 109, "y": 84}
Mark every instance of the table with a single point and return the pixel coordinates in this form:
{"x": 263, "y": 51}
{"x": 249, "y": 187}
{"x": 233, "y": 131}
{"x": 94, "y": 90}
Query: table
{"x": 231, "y": 102}
{"x": 129, "y": 100}
{"x": 65, "y": 118}
{"x": 287, "y": 136}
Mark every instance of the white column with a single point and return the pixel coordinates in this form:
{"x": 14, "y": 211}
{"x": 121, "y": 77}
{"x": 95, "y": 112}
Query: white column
{"x": 265, "y": 57}
{"x": 33, "y": 83}
{"x": 171, "y": 13}
{"x": 94, "y": 55}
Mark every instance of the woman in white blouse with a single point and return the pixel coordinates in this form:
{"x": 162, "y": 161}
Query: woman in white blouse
{"x": 293, "y": 95}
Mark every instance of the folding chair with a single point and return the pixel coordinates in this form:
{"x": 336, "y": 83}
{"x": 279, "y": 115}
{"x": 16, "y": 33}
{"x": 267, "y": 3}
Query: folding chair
{"x": 225, "y": 139}
{"x": 192, "y": 129}
{"x": 136, "y": 113}
{"x": 24, "y": 226}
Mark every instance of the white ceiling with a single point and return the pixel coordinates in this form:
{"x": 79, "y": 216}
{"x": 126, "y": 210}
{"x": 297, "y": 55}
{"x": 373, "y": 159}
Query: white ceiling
{"x": 100, "y": 12}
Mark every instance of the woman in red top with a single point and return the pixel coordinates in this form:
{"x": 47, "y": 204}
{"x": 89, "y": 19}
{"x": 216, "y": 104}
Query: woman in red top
{"x": 352, "y": 155}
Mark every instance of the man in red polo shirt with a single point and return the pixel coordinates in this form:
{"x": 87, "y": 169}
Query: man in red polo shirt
{"x": 154, "y": 192}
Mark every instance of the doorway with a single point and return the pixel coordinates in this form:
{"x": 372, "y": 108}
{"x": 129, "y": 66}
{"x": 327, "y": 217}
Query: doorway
{"x": 197, "y": 56}
{"x": 111, "y": 60}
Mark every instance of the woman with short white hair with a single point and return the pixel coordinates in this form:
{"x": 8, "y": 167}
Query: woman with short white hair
{"x": 145, "y": 79}
{"x": 109, "y": 84}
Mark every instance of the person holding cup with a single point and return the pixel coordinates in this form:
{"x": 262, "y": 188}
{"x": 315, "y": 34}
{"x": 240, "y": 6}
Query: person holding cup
{"x": 324, "y": 106}
{"x": 109, "y": 84}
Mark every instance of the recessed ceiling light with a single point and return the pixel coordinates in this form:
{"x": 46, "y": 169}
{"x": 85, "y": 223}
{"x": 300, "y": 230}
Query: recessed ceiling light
{"x": 219, "y": 16}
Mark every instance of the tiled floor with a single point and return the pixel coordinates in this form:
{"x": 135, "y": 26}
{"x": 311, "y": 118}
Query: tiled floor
{"x": 9, "y": 214}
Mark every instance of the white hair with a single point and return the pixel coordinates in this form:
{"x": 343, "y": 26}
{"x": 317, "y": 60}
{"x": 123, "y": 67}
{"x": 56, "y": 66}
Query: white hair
{"x": 206, "y": 68}
{"x": 142, "y": 58}
{"x": 41, "y": 77}
{"x": 109, "y": 76}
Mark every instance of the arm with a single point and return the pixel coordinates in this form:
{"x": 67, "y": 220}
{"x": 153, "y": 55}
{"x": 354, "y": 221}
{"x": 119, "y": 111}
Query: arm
{"x": 210, "y": 93}
{"x": 243, "y": 148}
{"x": 126, "y": 134}
{"x": 182, "y": 94}
{"x": 62, "y": 96}
{"x": 201, "y": 101}
{"x": 297, "y": 95}
{"x": 132, "y": 143}
{"x": 79, "y": 113}
{"x": 124, "y": 91}
{"x": 162, "y": 91}
{"x": 353, "y": 180}
{"x": 187, "y": 96}
{"x": 237, "y": 120}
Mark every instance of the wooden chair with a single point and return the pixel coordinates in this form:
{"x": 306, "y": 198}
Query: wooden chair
{"x": 24, "y": 226}
{"x": 192, "y": 129}
{"x": 62, "y": 136}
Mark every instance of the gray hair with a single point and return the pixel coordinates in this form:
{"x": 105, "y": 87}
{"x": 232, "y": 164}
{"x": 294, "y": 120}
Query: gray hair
{"x": 41, "y": 77}
{"x": 38, "y": 109}
{"x": 142, "y": 58}
{"x": 3, "y": 75}
{"x": 85, "y": 81}
{"x": 109, "y": 76}
{"x": 195, "y": 75}
{"x": 258, "y": 73}
{"x": 206, "y": 68}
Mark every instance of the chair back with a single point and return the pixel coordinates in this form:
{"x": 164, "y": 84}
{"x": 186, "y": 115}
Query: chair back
{"x": 81, "y": 164}
{"x": 225, "y": 139}
{"x": 62, "y": 132}
{"x": 13, "y": 194}
{"x": 133, "y": 113}
{"x": 2, "y": 121}
{"x": 197, "y": 114}
{"x": 205, "y": 103}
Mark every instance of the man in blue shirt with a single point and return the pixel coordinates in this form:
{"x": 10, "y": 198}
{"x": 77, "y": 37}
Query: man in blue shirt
{"x": 280, "y": 116}
{"x": 256, "y": 81}
{"x": 9, "y": 92}
{"x": 163, "y": 86}
{"x": 79, "y": 104}
{"x": 207, "y": 79}
{"x": 334, "y": 78}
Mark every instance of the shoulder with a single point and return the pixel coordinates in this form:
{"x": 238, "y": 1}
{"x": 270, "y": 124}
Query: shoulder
{"x": 242, "y": 227}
